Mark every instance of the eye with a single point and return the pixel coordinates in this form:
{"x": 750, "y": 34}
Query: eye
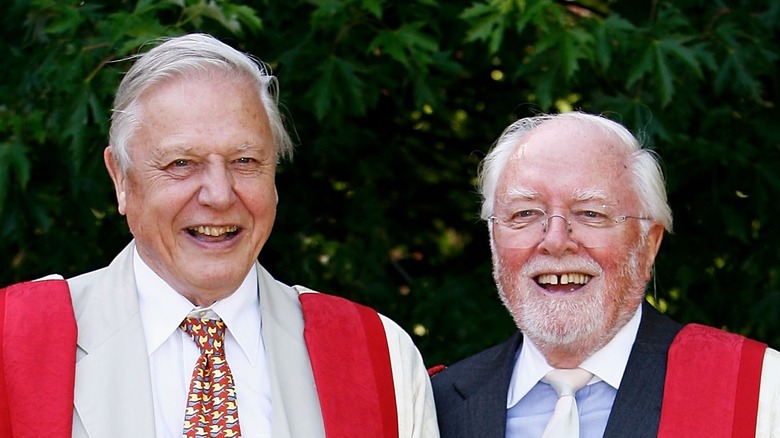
{"x": 524, "y": 214}
{"x": 591, "y": 217}
{"x": 591, "y": 214}
{"x": 523, "y": 218}
{"x": 245, "y": 160}
{"x": 180, "y": 167}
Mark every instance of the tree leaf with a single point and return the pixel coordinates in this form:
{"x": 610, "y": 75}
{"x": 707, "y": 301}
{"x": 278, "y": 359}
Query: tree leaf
{"x": 663, "y": 75}
{"x": 14, "y": 167}
{"x": 675, "y": 46}
{"x": 641, "y": 66}
{"x": 337, "y": 88}
{"x": 390, "y": 43}
{"x": 374, "y": 7}
{"x": 486, "y": 24}
{"x": 574, "y": 46}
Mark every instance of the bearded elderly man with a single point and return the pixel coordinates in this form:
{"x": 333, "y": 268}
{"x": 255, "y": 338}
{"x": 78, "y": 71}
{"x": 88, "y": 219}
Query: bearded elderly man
{"x": 576, "y": 210}
{"x": 184, "y": 333}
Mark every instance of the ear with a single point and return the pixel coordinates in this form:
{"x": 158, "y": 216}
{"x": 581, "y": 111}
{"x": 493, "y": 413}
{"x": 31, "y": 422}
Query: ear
{"x": 118, "y": 177}
{"x": 654, "y": 238}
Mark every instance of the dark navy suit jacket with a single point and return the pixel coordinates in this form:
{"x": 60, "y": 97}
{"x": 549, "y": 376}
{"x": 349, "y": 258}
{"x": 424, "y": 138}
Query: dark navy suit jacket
{"x": 471, "y": 394}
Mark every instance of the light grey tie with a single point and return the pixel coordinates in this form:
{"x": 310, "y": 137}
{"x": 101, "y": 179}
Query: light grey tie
{"x": 565, "y": 421}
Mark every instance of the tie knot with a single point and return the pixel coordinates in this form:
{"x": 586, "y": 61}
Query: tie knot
{"x": 567, "y": 381}
{"x": 209, "y": 334}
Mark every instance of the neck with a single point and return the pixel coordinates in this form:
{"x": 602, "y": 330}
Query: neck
{"x": 569, "y": 355}
{"x": 562, "y": 357}
{"x": 205, "y": 300}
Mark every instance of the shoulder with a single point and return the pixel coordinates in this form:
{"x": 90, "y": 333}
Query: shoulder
{"x": 34, "y": 293}
{"x": 326, "y": 310}
{"x": 339, "y": 306}
{"x": 43, "y": 296}
{"x": 768, "y": 419}
{"x": 38, "y": 311}
{"x": 656, "y": 329}
{"x": 119, "y": 273}
{"x": 279, "y": 301}
{"x": 81, "y": 283}
{"x": 483, "y": 364}
{"x": 770, "y": 375}
{"x": 772, "y": 359}
{"x": 84, "y": 287}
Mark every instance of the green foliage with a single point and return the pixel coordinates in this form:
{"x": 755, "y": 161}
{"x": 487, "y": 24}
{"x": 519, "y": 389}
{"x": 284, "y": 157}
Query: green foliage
{"x": 393, "y": 104}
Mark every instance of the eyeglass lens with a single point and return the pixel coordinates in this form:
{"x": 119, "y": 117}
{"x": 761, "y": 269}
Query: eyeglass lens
{"x": 533, "y": 234}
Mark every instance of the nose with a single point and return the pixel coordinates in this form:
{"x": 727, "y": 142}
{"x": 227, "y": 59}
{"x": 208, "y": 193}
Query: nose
{"x": 557, "y": 239}
{"x": 549, "y": 218}
{"x": 217, "y": 187}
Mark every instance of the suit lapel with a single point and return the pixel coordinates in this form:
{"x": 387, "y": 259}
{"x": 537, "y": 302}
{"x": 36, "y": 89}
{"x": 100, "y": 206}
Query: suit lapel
{"x": 296, "y": 408}
{"x": 117, "y": 401}
{"x": 637, "y": 407}
{"x": 113, "y": 394}
{"x": 484, "y": 391}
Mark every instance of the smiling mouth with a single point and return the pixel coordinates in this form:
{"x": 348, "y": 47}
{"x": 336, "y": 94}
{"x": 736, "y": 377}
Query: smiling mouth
{"x": 213, "y": 233}
{"x": 568, "y": 282}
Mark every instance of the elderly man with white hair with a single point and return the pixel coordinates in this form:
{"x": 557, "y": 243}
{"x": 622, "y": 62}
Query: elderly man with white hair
{"x": 576, "y": 210}
{"x": 184, "y": 333}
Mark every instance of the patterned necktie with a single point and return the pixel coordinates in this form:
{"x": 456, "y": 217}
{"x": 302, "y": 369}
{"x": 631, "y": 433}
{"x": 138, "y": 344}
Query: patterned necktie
{"x": 211, "y": 403}
{"x": 565, "y": 420}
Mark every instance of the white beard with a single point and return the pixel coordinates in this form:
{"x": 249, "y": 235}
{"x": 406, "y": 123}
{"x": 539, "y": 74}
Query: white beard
{"x": 582, "y": 324}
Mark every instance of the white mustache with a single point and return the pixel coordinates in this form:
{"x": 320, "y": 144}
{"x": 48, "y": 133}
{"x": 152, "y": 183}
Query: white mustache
{"x": 535, "y": 267}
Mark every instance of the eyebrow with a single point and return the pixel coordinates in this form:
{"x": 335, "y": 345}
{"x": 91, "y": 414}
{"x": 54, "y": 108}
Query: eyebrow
{"x": 588, "y": 194}
{"x": 523, "y": 194}
{"x": 247, "y": 147}
{"x": 520, "y": 193}
{"x": 163, "y": 152}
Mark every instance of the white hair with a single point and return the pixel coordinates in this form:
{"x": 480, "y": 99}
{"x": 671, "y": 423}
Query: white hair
{"x": 191, "y": 54}
{"x": 647, "y": 177}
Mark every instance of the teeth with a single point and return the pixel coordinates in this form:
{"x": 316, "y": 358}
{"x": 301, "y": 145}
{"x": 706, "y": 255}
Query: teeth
{"x": 570, "y": 278}
{"x": 214, "y": 231}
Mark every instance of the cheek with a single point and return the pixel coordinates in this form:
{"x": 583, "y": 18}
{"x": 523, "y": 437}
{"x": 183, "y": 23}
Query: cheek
{"x": 615, "y": 256}
{"x": 511, "y": 259}
{"x": 155, "y": 205}
{"x": 508, "y": 265}
{"x": 260, "y": 200}
{"x": 135, "y": 206}
{"x": 608, "y": 259}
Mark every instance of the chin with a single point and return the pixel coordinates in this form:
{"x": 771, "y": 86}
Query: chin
{"x": 561, "y": 323}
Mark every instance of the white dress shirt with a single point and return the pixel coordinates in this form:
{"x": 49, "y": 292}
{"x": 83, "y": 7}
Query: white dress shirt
{"x": 173, "y": 353}
{"x": 537, "y": 399}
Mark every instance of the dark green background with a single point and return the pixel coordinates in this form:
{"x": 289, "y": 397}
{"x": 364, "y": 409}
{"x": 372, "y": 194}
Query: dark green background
{"x": 392, "y": 105}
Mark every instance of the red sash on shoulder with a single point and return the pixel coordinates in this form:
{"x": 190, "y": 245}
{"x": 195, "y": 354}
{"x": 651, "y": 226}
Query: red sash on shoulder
{"x": 351, "y": 363}
{"x": 37, "y": 360}
{"x": 712, "y": 384}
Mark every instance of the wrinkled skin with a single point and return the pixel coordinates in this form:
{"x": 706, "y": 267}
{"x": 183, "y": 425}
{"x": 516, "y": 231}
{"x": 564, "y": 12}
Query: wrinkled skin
{"x": 200, "y": 195}
{"x": 557, "y": 162}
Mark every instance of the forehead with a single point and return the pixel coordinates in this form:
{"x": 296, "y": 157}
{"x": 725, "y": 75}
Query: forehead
{"x": 202, "y": 110}
{"x": 564, "y": 160}
{"x": 194, "y": 93}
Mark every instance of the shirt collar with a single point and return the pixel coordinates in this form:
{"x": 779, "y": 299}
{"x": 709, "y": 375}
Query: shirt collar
{"x": 607, "y": 364}
{"x": 163, "y": 309}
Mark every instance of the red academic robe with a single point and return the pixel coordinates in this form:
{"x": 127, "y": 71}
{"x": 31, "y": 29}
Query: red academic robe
{"x": 38, "y": 362}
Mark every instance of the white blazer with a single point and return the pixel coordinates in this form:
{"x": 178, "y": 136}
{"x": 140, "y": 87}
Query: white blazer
{"x": 113, "y": 395}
